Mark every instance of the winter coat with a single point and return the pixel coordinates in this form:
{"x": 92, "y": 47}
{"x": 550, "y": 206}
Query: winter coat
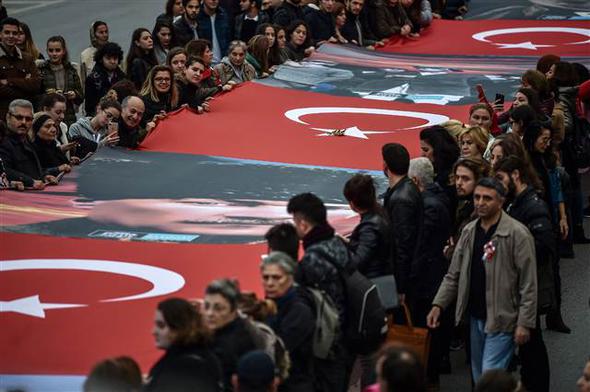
{"x": 370, "y": 246}
{"x": 263, "y": 17}
{"x": 130, "y": 137}
{"x": 229, "y": 72}
{"x": 255, "y": 64}
{"x": 431, "y": 262}
{"x": 222, "y": 28}
{"x": 405, "y": 209}
{"x": 317, "y": 268}
{"x": 230, "y": 342}
{"x": 184, "y": 32}
{"x": 530, "y": 210}
{"x": 511, "y": 277}
{"x": 389, "y": 20}
{"x": 23, "y": 78}
{"x": 72, "y": 83}
{"x": 185, "y": 369}
{"x": 286, "y": 14}
{"x": 293, "y": 53}
{"x": 98, "y": 84}
{"x": 322, "y": 25}
{"x": 351, "y": 33}
{"x": 155, "y": 107}
{"x": 50, "y": 156}
{"x": 20, "y": 160}
{"x": 294, "y": 324}
{"x": 138, "y": 71}
{"x": 190, "y": 95}
{"x": 567, "y": 98}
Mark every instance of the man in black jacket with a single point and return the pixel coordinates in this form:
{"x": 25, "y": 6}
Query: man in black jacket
{"x": 287, "y": 13}
{"x": 18, "y": 155}
{"x": 321, "y": 23}
{"x": 529, "y": 209}
{"x": 432, "y": 265}
{"x": 326, "y": 257}
{"x": 356, "y": 29}
{"x": 185, "y": 28}
{"x": 404, "y": 207}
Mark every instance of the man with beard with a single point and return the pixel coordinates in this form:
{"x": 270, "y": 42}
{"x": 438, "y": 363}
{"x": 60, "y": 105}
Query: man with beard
{"x": 493, "y": 277}
{"x": 356, "y": 29}
{"x": 287, "y": 13}
{"x": 130, "y": 133}
{"x": 185, "y": 28}
{"x": 16, "y": 152}
{"x": 525, "y": 205}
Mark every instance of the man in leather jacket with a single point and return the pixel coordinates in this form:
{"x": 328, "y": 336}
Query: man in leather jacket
{"x": 529, "y": 209}
{"x": 405, "y": 209}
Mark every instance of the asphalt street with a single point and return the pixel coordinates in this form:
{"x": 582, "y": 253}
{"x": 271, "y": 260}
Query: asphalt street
{"x": 71, "y": 18}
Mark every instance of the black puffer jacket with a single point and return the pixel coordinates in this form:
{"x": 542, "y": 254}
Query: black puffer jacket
{"x": 405, "y": 209}
{"x": 317, "y": 268}
{"x": 432, "y": 263}
{"x": 530, "y": 210}
{"x": 370, "y": 246}
{"x": 185, "y": 369}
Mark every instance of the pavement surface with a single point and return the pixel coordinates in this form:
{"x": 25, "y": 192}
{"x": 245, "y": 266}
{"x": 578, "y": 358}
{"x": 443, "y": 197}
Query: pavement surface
{"x": 71, "y": 18}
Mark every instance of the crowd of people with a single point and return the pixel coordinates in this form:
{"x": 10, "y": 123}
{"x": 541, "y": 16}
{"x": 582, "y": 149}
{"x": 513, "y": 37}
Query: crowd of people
{"x": 472, "y": 231}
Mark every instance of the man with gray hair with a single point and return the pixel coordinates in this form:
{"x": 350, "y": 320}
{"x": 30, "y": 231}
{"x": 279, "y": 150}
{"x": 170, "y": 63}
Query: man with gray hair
{"x": 18, "y": 155}
{"x": 130, "y": 131}
{"x": 431, "y": 262}
{"x": 294, "y": 322}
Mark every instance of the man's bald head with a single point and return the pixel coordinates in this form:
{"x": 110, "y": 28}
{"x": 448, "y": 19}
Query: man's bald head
{"x": 133, "y": 108}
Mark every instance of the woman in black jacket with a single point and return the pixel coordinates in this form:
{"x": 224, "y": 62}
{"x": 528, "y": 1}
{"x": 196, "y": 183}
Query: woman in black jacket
{"x": 52, "y": 159}
{"x": 370, "y": 241}
{"x": 188, "y": 364}
{"x": 294, "y": 321}
{"x": 233, "y": 336}
{"x": 298, "y": 41}
{"x": 159, "y": 93}
{"x": 140, "y": 57}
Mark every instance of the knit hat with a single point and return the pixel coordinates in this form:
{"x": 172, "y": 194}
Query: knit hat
{"x": 255, "y": 370}
{"x": 39, "y": 121}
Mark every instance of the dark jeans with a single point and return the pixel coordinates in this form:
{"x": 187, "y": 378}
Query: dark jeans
{"x": 534, "y": 370}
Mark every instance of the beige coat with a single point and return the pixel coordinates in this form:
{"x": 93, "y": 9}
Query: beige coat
{"x": 511, "y": 277}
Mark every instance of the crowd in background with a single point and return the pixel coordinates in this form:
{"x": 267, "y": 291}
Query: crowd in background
{"x": 472, "y": 231}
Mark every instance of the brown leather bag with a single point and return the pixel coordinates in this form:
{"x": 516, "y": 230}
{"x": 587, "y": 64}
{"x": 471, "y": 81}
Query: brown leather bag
{"x": 415, "y": 338}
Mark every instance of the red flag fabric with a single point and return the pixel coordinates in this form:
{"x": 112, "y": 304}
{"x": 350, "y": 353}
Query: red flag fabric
{"x": 498, "y": 38}
{"x": 280, "y": 125}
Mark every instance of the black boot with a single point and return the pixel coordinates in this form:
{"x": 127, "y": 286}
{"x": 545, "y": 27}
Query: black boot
{"x": 579, "y": 236}
{"x": 555, "y": 322}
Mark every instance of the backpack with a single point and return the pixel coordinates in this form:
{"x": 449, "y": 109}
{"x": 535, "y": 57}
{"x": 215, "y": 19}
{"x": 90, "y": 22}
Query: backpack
{"x": 366, "y": 326}
{"x": 327, "y": 321}
{"x": 267, "y": 340}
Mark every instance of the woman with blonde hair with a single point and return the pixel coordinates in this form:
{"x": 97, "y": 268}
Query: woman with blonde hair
{"x": 454, "y": 127}
{"x": 473, "y": 142}
{"x": 159, "y": 93}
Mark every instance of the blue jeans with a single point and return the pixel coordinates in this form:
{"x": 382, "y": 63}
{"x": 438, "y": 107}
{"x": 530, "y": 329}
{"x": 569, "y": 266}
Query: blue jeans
{"x": 489, "y": 350}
